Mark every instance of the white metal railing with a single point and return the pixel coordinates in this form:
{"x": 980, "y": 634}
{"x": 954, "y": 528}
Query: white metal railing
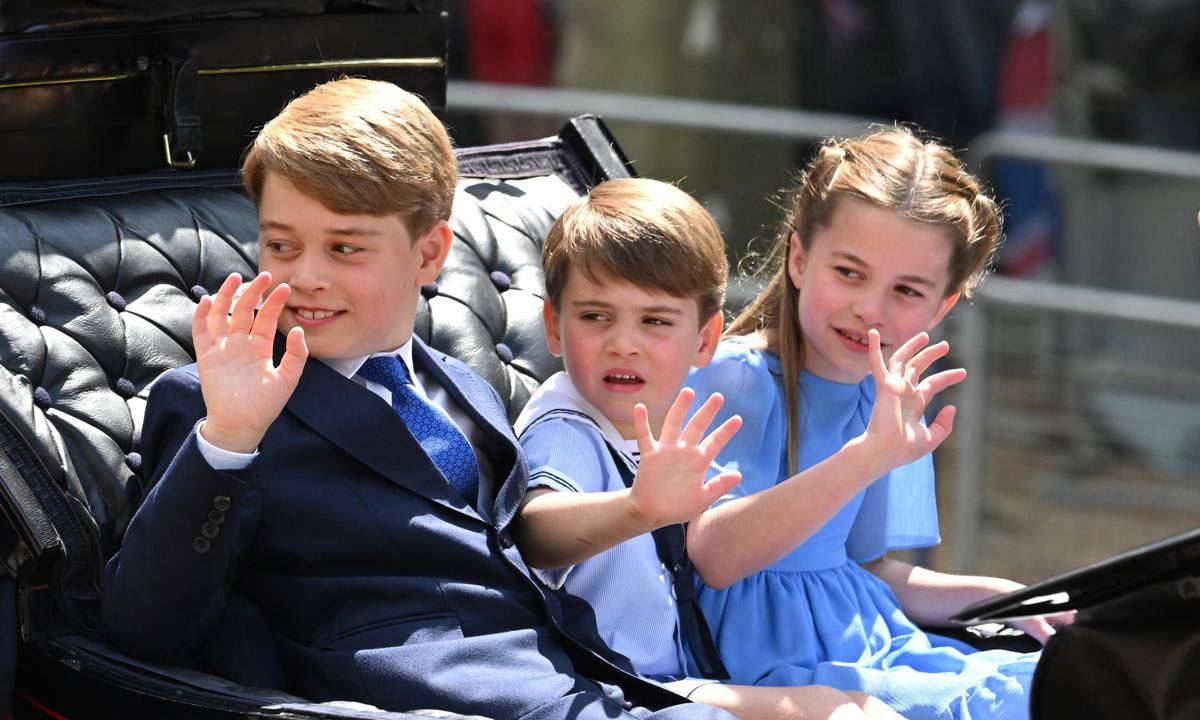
{"x": 696, "y": 114}
{"x": 971, "y": 343}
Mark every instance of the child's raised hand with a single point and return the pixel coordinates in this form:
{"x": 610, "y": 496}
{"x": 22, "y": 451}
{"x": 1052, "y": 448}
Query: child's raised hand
{"x": 669, "y": 486}
{"x": 243, "y": 389}
{"x": 896, "y": 431}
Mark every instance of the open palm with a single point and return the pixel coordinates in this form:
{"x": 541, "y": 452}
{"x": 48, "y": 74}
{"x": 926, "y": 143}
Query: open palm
{"x": 670, "y": 483}
{"x": 244, "y": 391}
{"x": 897, "y": 429}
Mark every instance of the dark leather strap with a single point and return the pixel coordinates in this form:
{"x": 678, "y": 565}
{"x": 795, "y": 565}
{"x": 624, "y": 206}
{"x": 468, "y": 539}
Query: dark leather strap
{"x": 671, "y": 542}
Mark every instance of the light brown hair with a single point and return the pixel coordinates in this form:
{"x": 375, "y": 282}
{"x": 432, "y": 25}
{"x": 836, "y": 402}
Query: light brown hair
{"x": 645, "y": 232}
{"x": 893, "y": 168}
{"x": 360, "y": 147}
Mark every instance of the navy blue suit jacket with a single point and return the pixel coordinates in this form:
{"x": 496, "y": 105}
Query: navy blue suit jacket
{"x": 379, "y": 583}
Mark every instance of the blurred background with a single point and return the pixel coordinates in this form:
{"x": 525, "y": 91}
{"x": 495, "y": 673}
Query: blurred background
{"x": 1079, "y": 428}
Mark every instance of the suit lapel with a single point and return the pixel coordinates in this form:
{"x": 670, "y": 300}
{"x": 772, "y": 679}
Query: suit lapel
{"x": 358, "y": 422}
{"x": 475, "y": 397}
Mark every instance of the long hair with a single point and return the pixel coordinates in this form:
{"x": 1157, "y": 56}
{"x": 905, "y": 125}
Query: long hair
{"x": 894, "y": 168}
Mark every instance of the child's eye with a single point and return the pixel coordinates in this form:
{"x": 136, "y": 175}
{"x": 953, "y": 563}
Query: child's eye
{"x": 345, "y": 249}
{"x": 847, "y": 272}
{"x": 593, "y": 317}
{"x": 909, "y": 291}
{"x": 279, "y": 247}
{"x": 657, "y": 321}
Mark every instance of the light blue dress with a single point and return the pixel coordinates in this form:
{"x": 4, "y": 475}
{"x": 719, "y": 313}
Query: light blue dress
{"x": 815, "y": 616}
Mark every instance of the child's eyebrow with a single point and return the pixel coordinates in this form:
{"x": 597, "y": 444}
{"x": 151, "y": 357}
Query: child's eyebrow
{"x": 350, "y": 231}
{"x": 662, "y": 310}
{"x": 601, "y": 305}
{"x": 910, "y": 279}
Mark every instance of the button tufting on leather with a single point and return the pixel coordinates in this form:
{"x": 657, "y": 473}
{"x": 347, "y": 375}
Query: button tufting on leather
{"x": 429, "y": 291}
{"x": 114, "y": 298}
{"x": 505, "y": 352}
{"x": 134, "y": 461}
{"x": 41, "y": 396}
{"x": 37, "y": 314}
{"x": 198, "y": 292}
{"x": 501, "y": 280}
{"x": 125, "y": 387}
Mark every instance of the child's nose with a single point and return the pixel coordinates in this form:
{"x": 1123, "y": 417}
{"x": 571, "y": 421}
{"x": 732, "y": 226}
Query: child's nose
{"x": 621, "y": 343}
{"x": 868, "y": 307}
{"x": 308, "y": 273}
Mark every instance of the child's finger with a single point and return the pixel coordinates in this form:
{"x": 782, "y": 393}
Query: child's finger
{"x": 922, "y": 361}
{"x": 719, "y": 438}
{"x": 292, "y": 364}
{"x": 200, "y": 336}
{"x": 720, "y": 485}
{"x": 908, "y": 349}
{"x": 241, "y": 317}
{"x": 267, "y": 318}
{"x": 875, "y": 355}
{"x": 669, "y": 433}
{"x": 641, "y": 429}
{"x": 942, "y": 426}
{"x": 218, "y": 315}
{"x": 693, "y": 433}
{"x": 938, "y": 382}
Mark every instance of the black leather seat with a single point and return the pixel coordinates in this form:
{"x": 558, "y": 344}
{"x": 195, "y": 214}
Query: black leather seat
{"x": 96, "y": 297}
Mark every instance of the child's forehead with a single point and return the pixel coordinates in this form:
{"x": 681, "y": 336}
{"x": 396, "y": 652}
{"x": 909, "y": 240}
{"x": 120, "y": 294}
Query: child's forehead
{"x": 883, "y": 237}
{"x": 586, "y": 284}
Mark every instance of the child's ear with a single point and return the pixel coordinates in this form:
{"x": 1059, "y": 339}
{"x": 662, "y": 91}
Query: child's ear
{"x": 948, "y": 303}
{"x": 795, "y": 259}
{"x": 434, "y": 247}
{"x": 710, "y": 336}
{"x": 550, "y": 320}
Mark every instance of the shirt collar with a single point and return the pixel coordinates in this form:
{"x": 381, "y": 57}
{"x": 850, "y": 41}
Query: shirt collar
{"x": 348, "y": 367}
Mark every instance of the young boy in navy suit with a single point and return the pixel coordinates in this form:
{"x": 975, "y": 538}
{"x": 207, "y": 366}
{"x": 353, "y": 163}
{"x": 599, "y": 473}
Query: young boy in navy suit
{"x": 283, "y": 469}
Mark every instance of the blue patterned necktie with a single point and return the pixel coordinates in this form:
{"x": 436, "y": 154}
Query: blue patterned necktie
{"x": 434, "y": 430}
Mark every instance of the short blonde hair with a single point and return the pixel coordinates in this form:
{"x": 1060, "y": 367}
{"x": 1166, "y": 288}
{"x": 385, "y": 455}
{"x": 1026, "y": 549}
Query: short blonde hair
{"x": 360, "y": 147}
{"x": 645, "y": 232}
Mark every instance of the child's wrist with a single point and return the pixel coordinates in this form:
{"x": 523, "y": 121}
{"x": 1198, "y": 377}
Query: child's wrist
{"x": 228, "y": 439}
{"x": 865, "y": 458}
{"x": 641, "y": 522}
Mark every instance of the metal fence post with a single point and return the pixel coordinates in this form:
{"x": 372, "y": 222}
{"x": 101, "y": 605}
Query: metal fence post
{"x": 969, "y": 427}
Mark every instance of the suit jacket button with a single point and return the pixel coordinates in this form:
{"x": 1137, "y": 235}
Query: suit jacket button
{"x": 216, "y": 517}
{"x": 201, "y": 545}
{"x": 209, "y": 530}
{"x": 222, "y": 502}
{"x": 506, "y": 540}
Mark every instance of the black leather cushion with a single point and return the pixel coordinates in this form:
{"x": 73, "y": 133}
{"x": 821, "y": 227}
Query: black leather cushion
{"x": 96, "y": 299}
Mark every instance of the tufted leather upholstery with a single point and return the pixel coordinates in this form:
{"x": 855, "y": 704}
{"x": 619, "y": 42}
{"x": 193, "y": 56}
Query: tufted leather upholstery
{"x": 96, "y": 299}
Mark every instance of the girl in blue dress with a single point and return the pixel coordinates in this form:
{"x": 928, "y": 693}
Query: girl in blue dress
{"x": 884, "y": 234}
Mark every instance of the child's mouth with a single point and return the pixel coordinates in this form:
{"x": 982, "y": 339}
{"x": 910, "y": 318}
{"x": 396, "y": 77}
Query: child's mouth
{"x": 315, "y": 314}
{"x": 310, "y": 316}
{"x": 623, "y": 381}
{"x": 858, "y": 341}
{"x": 852, "y": 336}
